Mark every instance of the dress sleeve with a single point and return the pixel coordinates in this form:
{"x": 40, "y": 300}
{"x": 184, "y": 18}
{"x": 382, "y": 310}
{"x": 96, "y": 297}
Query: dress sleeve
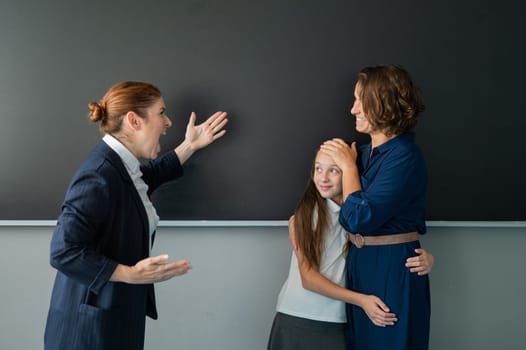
{"x": 385, "y": 193}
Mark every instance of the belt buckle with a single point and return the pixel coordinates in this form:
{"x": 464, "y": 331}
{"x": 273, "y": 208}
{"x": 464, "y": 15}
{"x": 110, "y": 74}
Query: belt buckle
{"x": 359, "y": 240}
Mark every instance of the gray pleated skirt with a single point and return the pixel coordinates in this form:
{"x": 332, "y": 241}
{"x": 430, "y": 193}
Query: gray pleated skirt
{"x": 296, "y": 333}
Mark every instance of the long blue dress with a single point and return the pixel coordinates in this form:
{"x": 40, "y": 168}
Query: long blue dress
{"x": 392, "y": 200}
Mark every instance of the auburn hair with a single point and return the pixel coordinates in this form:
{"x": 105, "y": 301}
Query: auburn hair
{"x": 121, "y": 98}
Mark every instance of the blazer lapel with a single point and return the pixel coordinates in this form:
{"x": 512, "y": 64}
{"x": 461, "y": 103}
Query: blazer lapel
{"x": 116, "y": 161}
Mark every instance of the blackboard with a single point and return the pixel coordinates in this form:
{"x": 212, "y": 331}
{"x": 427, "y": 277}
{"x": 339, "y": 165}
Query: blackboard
{"x": 285, "y": 72}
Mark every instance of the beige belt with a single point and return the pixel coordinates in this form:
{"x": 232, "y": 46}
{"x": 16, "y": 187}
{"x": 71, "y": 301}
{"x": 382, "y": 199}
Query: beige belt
{"x": 359, "y": 241}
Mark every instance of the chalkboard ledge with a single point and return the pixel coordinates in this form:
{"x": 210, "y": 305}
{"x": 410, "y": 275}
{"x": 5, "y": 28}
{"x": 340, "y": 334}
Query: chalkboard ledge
{"x": 265, "y": 223}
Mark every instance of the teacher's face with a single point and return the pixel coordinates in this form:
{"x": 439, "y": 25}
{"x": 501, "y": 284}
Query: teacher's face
{"x": 155, "y": 124}
{"x": 362, "y": 123}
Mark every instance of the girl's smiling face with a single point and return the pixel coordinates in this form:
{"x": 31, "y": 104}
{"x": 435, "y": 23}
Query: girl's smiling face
{"x": 328, "y": 178}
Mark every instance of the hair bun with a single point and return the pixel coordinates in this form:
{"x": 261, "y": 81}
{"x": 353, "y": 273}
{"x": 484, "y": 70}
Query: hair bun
{"x": 97, "y": 111}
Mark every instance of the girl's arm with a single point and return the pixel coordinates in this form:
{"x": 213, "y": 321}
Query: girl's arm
{"x": 314, "y": 281}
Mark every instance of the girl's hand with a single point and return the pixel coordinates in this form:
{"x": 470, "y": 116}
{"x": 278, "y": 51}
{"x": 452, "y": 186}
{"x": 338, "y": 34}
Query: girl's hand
{"x": 377, "y": 311}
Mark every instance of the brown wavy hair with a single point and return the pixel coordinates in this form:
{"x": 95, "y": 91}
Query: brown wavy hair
{"x": 309, "y": 234}
{"x": 121, "y": 98}
{"x": 390, "y": 99}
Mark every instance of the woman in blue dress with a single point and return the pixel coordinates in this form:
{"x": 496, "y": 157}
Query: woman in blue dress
{"x": 384, "y": 187}
{"x": 310, "y": 312}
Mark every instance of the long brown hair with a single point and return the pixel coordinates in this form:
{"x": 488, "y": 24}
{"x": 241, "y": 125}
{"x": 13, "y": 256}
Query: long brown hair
{"x": 310, "y": 234}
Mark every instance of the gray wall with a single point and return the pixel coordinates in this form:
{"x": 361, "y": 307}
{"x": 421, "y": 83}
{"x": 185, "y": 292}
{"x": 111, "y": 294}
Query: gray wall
{"x": 227, "y": 301}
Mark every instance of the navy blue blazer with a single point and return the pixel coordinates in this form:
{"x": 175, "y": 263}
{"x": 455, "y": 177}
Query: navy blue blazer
{"x": 103, "y": 223}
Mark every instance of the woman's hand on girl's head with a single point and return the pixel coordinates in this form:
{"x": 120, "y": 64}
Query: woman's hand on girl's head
{"x": 344, "y": 156}
{"x": 340, "y": 151}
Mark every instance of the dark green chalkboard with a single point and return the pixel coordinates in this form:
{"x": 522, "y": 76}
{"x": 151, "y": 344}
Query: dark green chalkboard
{"x": 285, "y": 72}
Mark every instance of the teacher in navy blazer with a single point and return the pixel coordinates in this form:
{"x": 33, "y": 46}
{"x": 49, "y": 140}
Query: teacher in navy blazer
{"x": 101, "y": 244}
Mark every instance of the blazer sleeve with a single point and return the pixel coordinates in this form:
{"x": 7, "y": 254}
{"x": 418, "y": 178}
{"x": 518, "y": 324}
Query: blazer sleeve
{"x": 163, "y": 169}
{"x": 77, "y": 238}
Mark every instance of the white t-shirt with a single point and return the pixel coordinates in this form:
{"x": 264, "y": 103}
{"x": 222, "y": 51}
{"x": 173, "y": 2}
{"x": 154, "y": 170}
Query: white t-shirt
{"x": 296, "y": 301}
